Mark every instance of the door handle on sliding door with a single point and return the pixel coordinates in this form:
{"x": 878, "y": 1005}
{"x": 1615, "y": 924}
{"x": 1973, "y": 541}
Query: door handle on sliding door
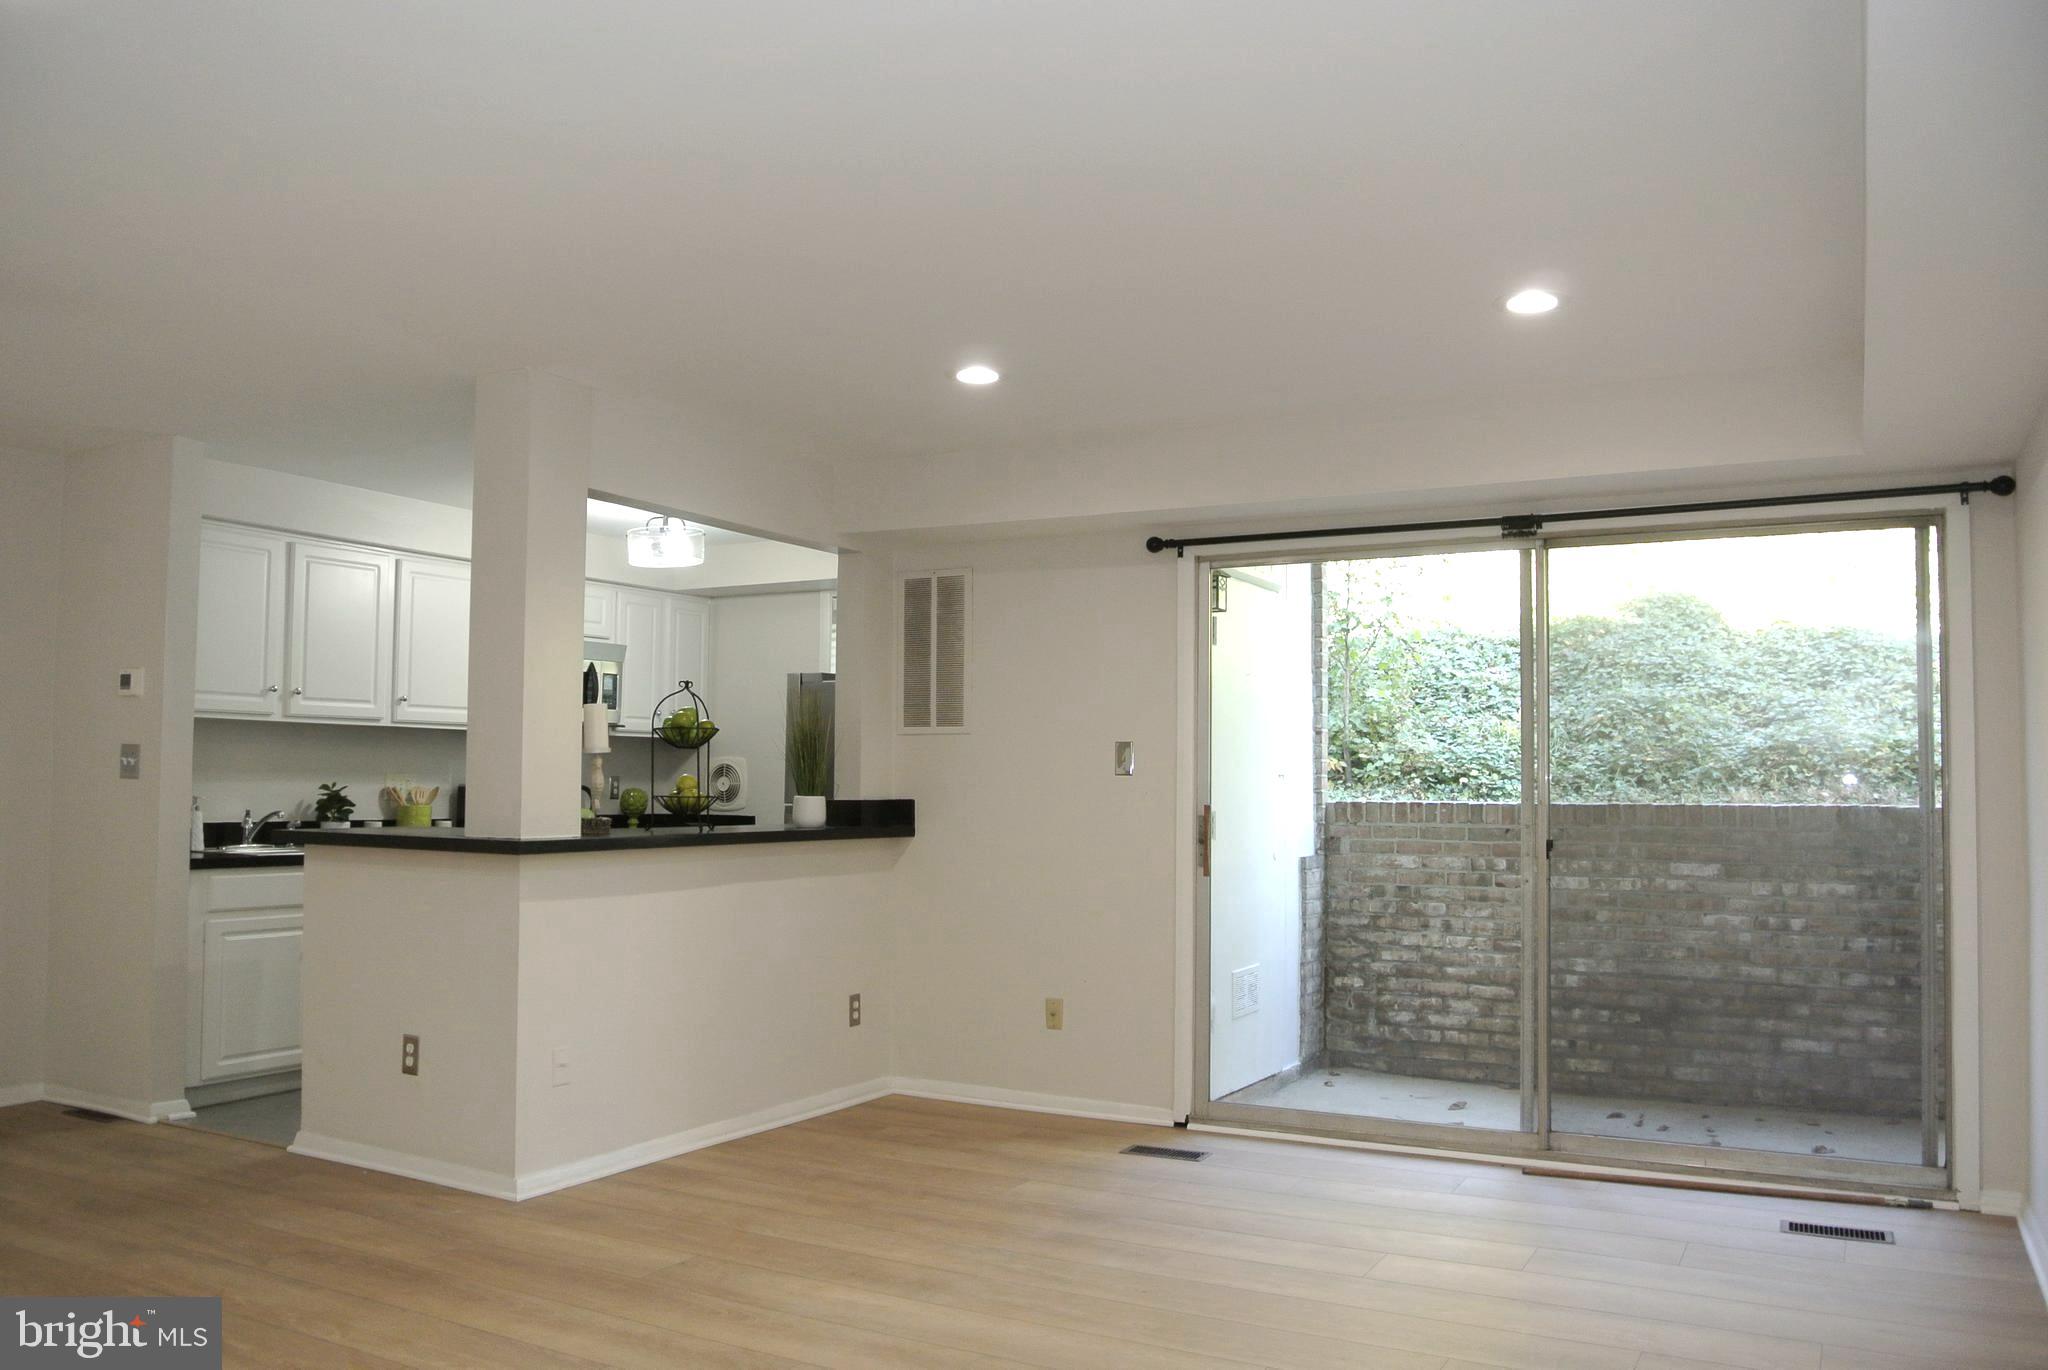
{"x": 1205, "y": 834}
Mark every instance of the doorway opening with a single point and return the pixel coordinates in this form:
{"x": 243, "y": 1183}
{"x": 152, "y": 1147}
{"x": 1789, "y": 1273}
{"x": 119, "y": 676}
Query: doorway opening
{"x": 1626, "y": 847}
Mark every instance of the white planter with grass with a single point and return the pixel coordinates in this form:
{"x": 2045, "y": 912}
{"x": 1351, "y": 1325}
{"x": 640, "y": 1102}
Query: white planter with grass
{"x": 810, "y": 763}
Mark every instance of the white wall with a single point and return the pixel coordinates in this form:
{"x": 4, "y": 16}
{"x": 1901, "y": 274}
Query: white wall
{"x": 690, "y": 990}
{"x": 31, "y": 507}
{"x": 1035, "y": 872}
{"x": 117, "y": 928}
{"x": 1032, "y": 875}
{"x": 260, "y": 765}
{"x": 2004, "y": 988}
{"x": 320, "y": 508}
{"x": 2032, "y": 501}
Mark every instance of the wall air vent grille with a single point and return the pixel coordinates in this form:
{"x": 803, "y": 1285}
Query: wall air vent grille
{"x": 1165, "y": 1153}
{"x": 1841, "y": 1234}
{"x": 934, "y": 652}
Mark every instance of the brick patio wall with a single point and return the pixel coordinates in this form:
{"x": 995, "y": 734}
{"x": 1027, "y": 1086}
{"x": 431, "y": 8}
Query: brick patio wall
{"x": 1721, "y": 954}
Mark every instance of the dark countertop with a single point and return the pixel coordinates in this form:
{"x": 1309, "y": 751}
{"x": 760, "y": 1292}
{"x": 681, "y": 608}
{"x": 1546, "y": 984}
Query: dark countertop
{"x": 846, "y": 820}
{"x": 229, "y": 861}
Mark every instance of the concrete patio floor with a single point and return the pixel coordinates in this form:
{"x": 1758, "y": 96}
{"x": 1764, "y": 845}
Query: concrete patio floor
{"x": 1799, "y": 1131}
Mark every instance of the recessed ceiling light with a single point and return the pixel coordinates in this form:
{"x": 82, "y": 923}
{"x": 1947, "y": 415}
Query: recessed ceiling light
{"x": 1531, "y": 302}
{"x": 977, "y": 375}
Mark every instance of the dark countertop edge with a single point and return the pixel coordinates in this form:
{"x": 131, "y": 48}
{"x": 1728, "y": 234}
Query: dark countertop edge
{"x": 215, "y": 862}
{"x": 647, "y": 839}
{"x": 846, "y": 820}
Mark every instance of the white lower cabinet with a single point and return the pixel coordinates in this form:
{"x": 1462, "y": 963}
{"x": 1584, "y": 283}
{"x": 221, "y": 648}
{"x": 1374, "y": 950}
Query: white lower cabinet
{"x": 243, "y": 953}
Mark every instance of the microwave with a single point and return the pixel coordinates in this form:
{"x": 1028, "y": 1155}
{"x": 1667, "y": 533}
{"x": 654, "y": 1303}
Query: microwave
{"x": 610, "y": 660}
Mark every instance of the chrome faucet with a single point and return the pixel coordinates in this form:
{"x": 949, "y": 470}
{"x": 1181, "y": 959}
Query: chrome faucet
{"x": 249, "y": 829}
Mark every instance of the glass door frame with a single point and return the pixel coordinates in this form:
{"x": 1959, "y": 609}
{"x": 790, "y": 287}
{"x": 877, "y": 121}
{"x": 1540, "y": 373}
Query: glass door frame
{"x": 1536, "y": 1138}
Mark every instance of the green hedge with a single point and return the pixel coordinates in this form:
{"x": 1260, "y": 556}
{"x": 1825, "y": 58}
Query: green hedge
{"x": 1662, "y": 703}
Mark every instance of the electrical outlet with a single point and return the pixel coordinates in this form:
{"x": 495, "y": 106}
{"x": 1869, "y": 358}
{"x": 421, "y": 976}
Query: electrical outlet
{"x": 561, "y": 1066}
{"x": 612, "y": 789}
{"x": 853, "y": 1010}
{"x": 1055, "y": 1014}
{"x": 409, "y": 1055}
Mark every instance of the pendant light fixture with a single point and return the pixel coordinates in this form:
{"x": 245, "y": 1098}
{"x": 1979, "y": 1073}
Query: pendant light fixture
{"x": 665, "y": 542}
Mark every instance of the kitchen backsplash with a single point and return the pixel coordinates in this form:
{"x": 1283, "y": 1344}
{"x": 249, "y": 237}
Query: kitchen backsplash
{"x": 260, "y": 765}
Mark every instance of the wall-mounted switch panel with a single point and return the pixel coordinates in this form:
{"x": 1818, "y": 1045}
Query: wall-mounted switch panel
{"x": 128, "y": 683}
{"x": 1126, "y": 759}
{"x": 131, "y": 761}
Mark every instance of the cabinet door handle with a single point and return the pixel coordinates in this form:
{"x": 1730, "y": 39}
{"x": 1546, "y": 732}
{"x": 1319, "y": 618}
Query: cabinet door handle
{"x": 403, "y": 698}
{"x": 271, "y": 690}
{"x": 298, "y": 689}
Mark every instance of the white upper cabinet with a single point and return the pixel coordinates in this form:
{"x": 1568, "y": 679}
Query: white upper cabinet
{"x": 640, "y": 632}
{"x": 430, "y": 670}
{"x": 338, "y": 633}
{"x": 600, "y": 612}
{"x": 689, "y": 644}
{"x": 239, "y": 667}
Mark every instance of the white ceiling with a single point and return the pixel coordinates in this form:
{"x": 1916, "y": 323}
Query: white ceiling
{"x": 297, "y": 231}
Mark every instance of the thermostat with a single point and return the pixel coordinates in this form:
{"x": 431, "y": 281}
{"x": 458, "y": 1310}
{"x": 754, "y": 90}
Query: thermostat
{"x": 128, "y": 683}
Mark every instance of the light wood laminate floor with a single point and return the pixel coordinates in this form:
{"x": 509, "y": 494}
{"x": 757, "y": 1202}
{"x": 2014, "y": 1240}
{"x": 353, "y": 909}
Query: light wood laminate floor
{"x": 906, "y": 1232}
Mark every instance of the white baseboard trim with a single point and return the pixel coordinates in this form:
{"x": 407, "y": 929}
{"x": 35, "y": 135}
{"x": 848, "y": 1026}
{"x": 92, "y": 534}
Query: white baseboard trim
{"x": 536, "y": 1183}
{"x": 2034, "y": 1232}
{"x": 1067, "y": 1105}
{"x": 365, "y": 1157}
{"x": 2000, "y": 1203}
{"x": 134, "y": 1110}
{"x": 10, "y": 1095}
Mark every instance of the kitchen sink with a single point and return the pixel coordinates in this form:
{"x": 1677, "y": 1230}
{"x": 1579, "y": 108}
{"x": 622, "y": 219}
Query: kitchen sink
{"x": 256, "y": 849}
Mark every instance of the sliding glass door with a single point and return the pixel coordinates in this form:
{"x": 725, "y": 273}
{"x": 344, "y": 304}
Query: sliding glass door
{"x": 1369, "y": 844}
{"x": 1628, "y": 847}
{"x": 1745, "y": 829}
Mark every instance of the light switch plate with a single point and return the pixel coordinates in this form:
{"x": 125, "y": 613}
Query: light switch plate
{"x": 130, "y": 765}
{"x": 1126, "y": 759}
{"x": 129, "y": 683}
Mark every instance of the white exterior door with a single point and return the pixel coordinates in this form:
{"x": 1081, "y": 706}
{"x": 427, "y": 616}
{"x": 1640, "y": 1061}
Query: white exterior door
{"x": 1262, "y": 823}
{"x": 640, "y": 632}
{"x": 239, "y": 665}
{"x": 250, "y": 994}
{"x": 339, "y": 636}
{"x": 430, "y": 679}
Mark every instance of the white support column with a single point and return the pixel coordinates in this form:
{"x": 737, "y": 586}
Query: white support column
{"x": 532, "y": 471}
{"x": 865, "y": 697}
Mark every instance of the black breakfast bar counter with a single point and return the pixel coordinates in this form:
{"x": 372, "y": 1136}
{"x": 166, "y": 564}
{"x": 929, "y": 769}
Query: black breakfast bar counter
{"x": 845, "y": 820}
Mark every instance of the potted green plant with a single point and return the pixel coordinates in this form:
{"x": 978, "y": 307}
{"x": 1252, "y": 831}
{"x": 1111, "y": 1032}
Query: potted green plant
{"x": 333, "y": 806}
{"x": 810, "y": 762}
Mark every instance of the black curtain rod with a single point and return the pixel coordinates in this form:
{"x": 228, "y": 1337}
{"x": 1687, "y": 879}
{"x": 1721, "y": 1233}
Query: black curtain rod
{"x": 1527, "y": 525}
